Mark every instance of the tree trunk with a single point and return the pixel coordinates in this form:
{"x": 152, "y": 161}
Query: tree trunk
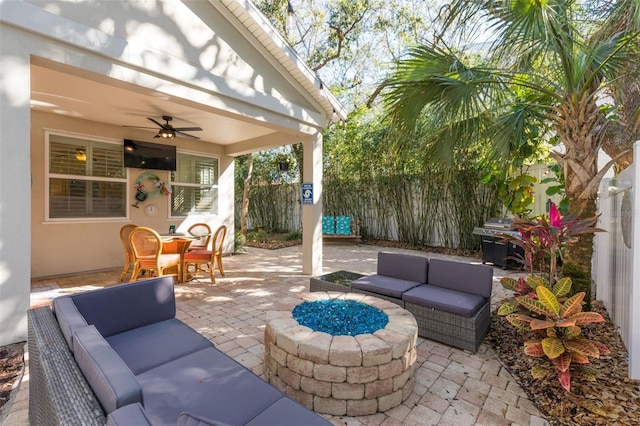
{"x": 245, "y": 196}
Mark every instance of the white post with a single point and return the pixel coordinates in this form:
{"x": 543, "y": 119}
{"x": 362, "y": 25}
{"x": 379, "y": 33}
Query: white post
{"x": 634, "y": 300}
{"x": 602, "y": 259}
{"x": 312, "y": 213}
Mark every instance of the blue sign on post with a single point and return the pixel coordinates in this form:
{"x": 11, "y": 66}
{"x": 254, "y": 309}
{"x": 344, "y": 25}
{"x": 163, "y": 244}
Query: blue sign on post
{"x": 307, "y": 193}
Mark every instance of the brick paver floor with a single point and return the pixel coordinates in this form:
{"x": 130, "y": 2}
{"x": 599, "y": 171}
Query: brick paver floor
{"x": 453, "y": 387}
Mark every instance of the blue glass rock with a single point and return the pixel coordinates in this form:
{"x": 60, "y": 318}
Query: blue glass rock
{"x": 340, "y": 317}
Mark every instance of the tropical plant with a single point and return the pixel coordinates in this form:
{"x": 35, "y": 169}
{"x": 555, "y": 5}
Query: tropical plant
{"x": 547, "y": 69}
{"x": 545, "y": 306}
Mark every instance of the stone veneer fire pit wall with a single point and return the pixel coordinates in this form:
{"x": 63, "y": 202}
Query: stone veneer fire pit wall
{"x": 342, "y": 375}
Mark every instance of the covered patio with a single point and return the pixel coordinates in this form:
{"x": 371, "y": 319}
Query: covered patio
{"x": 453, "y": 387}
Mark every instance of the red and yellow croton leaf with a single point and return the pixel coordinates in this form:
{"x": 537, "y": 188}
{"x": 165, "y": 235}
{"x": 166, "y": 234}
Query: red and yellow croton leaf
{"x": 539, "y": 371}
{"x": 537, "y": 324}
{"x": 572, "y": 332}
{"x": 534, "y": 348}
{"x": 519, "y": 321}
{"x": 586, "y": 372}
{"x": 566, "y": 322}
{"x": 507, "y": 308}
{"x": 604, "y": 350}
{"x": 562, "y": 362}
{"x": 582, "y": 346}
{"x": 536, "y": 306}
{"x": 535, "y": 281}
{"x": 572, "y": 305}
{"x": 583, "y": 318}
{"x": 552, "y": 347}
{"x": 564, "y": 377}
{"x": 546, "y": 297}
{"x": 509, "y": 283}
{"x": 579, "y": 358}
{"x": 562, "y": 287}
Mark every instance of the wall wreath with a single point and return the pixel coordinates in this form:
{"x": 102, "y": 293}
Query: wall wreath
{"x": 151, "y": 185}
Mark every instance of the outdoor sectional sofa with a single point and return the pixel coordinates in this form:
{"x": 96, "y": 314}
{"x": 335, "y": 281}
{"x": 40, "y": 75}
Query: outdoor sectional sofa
{"x": 118, "y": 356}
{"x": 450, "y": 300}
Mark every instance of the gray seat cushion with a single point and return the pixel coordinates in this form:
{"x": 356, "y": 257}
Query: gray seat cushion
{"x": 287, "y": 412}
{"x": 110, "y": 379}
{"x": 405, "y": 267}
{"x": 444, "y": 299}
{"x": 206, "y": 384}
{"x": 381, "y": 284}
{"x": 150, "y": 346}
{"x": 461, "y": 276}
{"x": 132, "y": 414}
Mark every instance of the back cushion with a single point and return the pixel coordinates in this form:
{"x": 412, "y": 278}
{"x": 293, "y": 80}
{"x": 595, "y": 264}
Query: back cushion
{"x": 124, "y": 307}
{"x": 68, "y": 317}
{"x": 403, "y": 266}
{"x": 110, "y": 379}
{"x": 461, "y": 276}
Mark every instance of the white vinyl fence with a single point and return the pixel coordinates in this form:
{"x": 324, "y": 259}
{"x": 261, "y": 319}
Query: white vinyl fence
{"x": 617, "y": 257}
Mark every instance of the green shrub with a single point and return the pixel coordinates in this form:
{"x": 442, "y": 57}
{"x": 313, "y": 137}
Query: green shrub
{"x": 293, "y": 235}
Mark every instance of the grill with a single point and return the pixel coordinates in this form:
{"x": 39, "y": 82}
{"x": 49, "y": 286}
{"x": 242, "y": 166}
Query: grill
{"x": 494, "y": 249}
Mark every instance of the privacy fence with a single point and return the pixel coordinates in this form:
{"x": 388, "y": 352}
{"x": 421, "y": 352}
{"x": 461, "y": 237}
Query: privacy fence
{"x": 617, "y": 257}
{"x": 431, "y": 210}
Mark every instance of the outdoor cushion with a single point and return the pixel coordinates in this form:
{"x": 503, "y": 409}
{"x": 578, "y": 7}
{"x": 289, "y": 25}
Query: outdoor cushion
{"x": 287, "y": 412}
{"x": 128, "y": 306}
{"x": 384, "y": 285}
{"x": 132, "y": 414}
{"x": 188, "y": 419}
{"x": 206, "y": 383}
{"x": 460, "y": 276}
{"x": 443, "y": 299}
{"x": 197, "y": 255}
{"x": 150, "y": 346}
{"x": 403, "y": 266}
{"x": 69, "y": 319}
{"x": 111, "y": 380}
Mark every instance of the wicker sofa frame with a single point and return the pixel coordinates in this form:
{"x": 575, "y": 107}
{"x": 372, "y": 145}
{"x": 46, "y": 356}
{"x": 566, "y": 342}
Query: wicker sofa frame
{"x": 58, "y": 392}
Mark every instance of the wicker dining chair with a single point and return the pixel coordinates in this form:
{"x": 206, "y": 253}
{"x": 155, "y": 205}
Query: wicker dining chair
{"x": 202, "y": 235}
{"x": 129, "y": 260}
{"x": 147, "y": 251}
{"x": 210, "y": 258}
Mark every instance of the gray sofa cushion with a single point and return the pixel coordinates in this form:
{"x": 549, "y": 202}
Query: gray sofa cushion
{"x": 286, "y": 412}
{"x": 207, "y": 384}
{"x": 155, "y": 344}
{"x": 188, "y": 419}
{"x": 405, "y": 267}
{"x": 110, "y": 379}
{"x": 132, "y": 414}
{"x": 124, "y": 307}
{"x": 384, "y": 285}
{"x": 68, "y": 318}
{"x": 461, "y": 276}
{"x": 443, "y": 299}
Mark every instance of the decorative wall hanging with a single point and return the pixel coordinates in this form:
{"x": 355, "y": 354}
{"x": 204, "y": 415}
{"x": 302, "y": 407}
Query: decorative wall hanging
{"x": 149, "y": 185}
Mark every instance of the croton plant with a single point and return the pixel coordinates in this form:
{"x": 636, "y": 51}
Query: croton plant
{"x": 544, "y": 306}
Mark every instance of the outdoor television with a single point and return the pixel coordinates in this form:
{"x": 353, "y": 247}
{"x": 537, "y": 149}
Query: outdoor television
{"x": 147, "y": 155}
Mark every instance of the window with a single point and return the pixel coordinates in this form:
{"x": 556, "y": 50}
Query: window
{"x": 194, "y": 185}
{"x": 86, "y": 179}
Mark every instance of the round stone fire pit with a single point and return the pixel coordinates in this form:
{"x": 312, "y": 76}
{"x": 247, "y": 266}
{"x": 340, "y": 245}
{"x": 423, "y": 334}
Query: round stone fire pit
{"x": 338, "y": 373}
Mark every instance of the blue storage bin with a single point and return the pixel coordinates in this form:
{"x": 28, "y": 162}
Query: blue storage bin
{"x": 328, "y": 225}
{"x": 343, "y": 225}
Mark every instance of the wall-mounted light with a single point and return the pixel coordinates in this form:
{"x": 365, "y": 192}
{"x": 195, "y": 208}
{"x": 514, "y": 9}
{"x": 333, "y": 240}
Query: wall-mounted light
{"x": 81, "y": 154}
{"x": 129, "y": 145}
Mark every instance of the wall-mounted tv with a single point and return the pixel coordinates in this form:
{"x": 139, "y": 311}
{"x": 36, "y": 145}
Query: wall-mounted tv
{"x": 147, "y": 155}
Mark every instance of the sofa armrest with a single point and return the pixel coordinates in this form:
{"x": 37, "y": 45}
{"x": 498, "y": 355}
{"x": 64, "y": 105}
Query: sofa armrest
{"x": 128, "y": 306}
{"x": 132, "y": 414}
{"x": 109, "y": 377}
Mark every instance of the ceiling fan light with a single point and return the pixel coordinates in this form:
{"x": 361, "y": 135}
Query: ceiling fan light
{"x": 167, "y": 133}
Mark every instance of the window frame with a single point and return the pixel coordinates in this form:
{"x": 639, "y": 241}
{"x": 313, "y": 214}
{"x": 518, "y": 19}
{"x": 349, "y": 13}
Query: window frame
{"x": 215, "y": 186}
{"x": 48, "y": 176}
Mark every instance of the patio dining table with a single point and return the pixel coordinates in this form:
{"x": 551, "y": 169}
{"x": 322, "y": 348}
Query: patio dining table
{"x": 177, "y": 243}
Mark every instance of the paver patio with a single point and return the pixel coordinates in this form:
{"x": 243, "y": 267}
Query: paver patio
{"x": 453, "y": 387}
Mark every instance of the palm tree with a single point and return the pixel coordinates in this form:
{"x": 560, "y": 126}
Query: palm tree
{"x": 545, "y": 73}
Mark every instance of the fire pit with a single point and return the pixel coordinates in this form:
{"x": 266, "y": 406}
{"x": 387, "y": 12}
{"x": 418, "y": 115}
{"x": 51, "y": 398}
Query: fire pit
{"x": 338, "y": 371}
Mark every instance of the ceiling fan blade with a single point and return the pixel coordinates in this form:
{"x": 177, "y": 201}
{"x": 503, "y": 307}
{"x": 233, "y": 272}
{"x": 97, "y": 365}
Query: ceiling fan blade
{"x": 186, "y": 135}
{"x": 187, "y": 129}
{"x": 154, "y": 121}
{"x": 140, "y": 127}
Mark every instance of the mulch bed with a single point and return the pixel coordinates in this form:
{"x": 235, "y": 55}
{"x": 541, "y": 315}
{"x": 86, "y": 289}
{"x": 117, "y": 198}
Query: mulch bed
{"x": 11, "y": 363}
{"x": 614, "y": 396}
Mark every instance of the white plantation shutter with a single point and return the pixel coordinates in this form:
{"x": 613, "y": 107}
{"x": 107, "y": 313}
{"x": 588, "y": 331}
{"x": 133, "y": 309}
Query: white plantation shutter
{"x": 87, "y": 179}
{"x": 194, "y": 185}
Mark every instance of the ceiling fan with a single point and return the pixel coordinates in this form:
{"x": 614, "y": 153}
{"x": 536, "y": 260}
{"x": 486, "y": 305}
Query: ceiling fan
{"x": 167, "y": 131}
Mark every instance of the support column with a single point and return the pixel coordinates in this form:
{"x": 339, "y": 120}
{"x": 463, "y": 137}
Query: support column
{"x": 312, "y": 213}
